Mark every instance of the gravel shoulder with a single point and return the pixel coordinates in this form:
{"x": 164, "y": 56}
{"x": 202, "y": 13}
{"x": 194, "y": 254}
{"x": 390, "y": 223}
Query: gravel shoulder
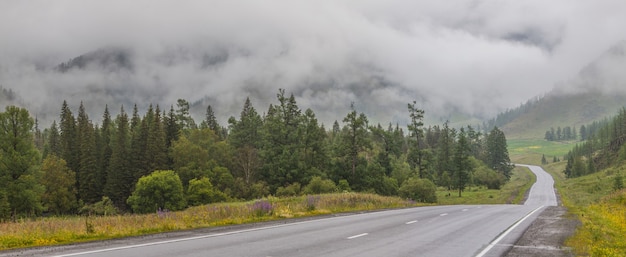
{"x": 547, "y": 234}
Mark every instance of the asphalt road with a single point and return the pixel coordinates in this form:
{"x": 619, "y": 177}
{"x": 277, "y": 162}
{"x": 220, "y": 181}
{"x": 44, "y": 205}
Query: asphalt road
{"x": 463, "y": 230}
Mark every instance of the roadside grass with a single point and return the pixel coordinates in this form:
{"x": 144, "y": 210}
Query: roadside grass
{"x": 600, "y": 208}
{"x": 512, "y": 192}
{"x": 63, "y": 230}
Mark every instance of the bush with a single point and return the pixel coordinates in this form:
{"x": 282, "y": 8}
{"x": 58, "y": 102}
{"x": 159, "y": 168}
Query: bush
{"x": 201, "y": 191}
{"x": 489, "y": 178}
{"x": 388, "y": 186}
{"x": 105, "y": 207}
{"x": 420, "y": 190}
{"x": 290, "y": 190}
{"x": 320, "y": 186}
{"x": 160, "y": 190}
{"x": 344, "y": 186}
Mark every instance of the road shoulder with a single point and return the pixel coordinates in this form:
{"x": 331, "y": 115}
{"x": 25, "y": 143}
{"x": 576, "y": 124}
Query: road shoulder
{"x": 546, "y": 235}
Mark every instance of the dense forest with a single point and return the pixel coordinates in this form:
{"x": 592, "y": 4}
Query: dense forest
{"x": 603, "y": 146}
{"x": 78, "y": 165}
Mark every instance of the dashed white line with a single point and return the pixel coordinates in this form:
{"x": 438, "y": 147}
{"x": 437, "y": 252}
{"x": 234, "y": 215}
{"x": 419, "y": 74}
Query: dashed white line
{"x": 410, "y": 222}
{"x": 443, "y": 214}
{"x": 357, "y": 236}
{"x": 465, "y": 210}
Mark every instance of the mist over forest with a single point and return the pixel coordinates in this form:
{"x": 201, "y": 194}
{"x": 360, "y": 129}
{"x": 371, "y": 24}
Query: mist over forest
{"x": 464, "y": 61}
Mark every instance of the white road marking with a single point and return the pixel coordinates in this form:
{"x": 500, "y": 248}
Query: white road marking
{"x": 506, "y": 232}
{"x": 443, "y": 214}
{"x": 411, "y": 222}
{"x": 357, "y": 236}
{"x": 465, "y": 210}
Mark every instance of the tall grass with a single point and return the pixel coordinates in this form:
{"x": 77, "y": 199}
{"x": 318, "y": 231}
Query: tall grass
{"x": 60, "y": 230}
{"x": 600, "y": 208}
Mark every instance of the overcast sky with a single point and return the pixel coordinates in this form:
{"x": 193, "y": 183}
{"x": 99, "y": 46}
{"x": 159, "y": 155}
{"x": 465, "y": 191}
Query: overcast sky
{"x": 479, "y": 57}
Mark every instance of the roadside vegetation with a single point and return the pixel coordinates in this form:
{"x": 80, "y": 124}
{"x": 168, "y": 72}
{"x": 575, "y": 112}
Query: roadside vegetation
{"x": 71, "y": 229}
{"x": 135, "y": 175}
{"x": 590, "y": 182}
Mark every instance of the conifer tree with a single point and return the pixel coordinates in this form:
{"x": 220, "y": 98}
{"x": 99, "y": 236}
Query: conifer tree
{"x": 69, "y": 138}
{"x": 120, "y": 178}
{"x": 416, "y": 133}
{"x": 89, "y": 188}
{"x": 156, "y": 150}
{"x": 245, "y": 137}
{"x": 462, "y": 164}
{"x": 355, "y": 139}
{"x": 497, "y": 153}
{"x": 53, "y": 145}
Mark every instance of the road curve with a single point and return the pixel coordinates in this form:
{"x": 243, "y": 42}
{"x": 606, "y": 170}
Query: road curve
{"x": 460, "y": 230}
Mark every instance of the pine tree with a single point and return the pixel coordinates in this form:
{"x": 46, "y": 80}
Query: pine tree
{"x": 120, "y": 178}
{"x": 416, "y": 132}
{"x": 497, "y": 153}
{"x": 245, "y": 137}
{"x": 355, "y": 139}
{"x": 156, "y": 150}
{"x": 462, "y": 163}
{"x": 69, "y": 138}
{"x": 89, "y": 188}
{"x": 53, "y": 146}
{"x": 104, "y": 148}
{"x": 282, "y": 151}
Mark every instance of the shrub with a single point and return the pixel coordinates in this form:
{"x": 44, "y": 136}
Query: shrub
{"x": 344, "y": 186}
{"x": 201, "y": 191}
{"x": 160, "y": 190}
{"x": 290, "y": 190}
{"x": 420, "y": 190}
{"x": 105, "y": 207}
{"x": 320, "y": 186}
{"x": 489, "y": 178}
{"x": 388, "y": 186}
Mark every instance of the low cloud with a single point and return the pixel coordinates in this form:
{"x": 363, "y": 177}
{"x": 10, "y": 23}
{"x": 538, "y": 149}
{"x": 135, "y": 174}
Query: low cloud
{"x": 476, "y": 57}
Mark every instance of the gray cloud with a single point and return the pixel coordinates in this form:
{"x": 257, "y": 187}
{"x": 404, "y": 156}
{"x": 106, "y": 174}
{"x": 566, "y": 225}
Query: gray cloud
{"x": 478, "y": 57}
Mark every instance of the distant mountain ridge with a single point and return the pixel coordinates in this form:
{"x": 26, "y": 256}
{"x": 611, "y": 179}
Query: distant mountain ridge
{"x": 597, "y": 92}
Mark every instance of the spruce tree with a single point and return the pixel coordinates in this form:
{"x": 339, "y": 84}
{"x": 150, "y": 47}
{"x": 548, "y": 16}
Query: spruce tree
{"x": 462, "y": 164}
{"x": 497, "y": 153}
{"x": 120, "y": 178}
{"x": 89, "y": 188}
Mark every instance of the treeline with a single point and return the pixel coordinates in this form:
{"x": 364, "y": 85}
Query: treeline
{"x": 77, "y": 165}
{"x": 567, "y": 133}
{"x": 509, "y": 115}
{"x": 603, "y": 146}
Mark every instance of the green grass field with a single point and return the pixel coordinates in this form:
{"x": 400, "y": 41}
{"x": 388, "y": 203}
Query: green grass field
{"x": 529, "y": 151}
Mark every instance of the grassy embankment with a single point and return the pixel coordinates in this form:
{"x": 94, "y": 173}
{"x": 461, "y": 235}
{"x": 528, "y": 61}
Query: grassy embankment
{"x": 61, "y": 230}
{"x": 590, "y": 199}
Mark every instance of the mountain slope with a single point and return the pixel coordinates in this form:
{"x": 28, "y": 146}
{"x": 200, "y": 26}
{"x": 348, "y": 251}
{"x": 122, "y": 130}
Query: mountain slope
{"x": 597, "y": 92}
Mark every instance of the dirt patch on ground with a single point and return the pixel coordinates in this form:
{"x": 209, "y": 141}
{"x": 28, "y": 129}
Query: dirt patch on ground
{"x": 547, "y": 234}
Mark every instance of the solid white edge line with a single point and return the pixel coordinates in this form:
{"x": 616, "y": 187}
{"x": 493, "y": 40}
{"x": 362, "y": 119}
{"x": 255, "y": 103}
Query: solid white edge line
{"x": 506, "y": 232}
{"x": 200, "y": 237}
{"x": 357, "y": 236}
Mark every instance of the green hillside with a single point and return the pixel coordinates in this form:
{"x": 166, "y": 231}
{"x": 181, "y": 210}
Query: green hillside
{"x": 560, "y": 110}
